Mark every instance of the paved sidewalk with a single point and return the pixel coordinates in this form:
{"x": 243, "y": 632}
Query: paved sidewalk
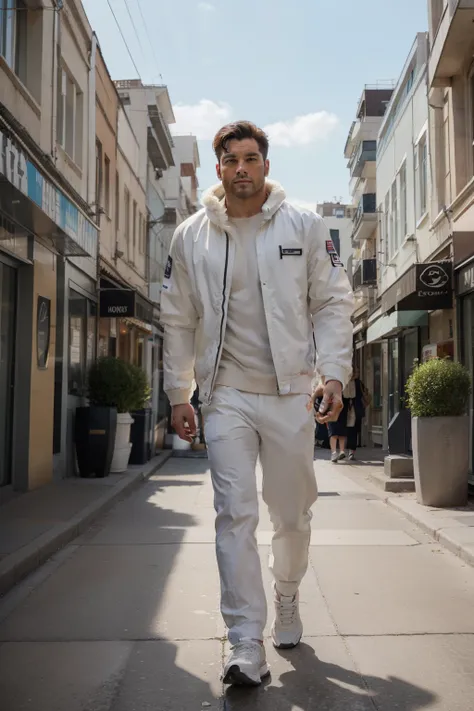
{"x": 37, "y": 524}
{"x": 452, "y": 528}
{"x": 126, "y": 617}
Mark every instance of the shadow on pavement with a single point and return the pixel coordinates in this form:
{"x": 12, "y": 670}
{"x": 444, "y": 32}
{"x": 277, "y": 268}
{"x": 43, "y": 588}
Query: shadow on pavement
{"x": 315, "y": 685}
{"x": 102, "y": 630}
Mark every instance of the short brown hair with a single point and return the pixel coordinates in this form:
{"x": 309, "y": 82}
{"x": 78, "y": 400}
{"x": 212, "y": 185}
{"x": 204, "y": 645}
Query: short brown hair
{"x": 238, "y": 131}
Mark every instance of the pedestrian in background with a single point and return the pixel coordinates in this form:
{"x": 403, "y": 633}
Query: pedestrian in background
{"x": 252, "y": 285}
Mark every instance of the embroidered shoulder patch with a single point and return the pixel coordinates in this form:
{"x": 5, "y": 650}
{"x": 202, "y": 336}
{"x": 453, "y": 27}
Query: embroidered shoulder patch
{"x": 169, "y": 268}
{"x": 331, "y": 250}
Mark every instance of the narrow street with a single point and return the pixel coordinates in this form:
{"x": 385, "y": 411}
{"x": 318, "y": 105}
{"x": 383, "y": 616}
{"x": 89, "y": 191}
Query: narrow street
{"x": 126, "y": 618}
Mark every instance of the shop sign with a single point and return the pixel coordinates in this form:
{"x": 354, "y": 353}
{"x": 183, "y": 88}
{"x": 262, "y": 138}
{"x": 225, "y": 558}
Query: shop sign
{"x": 43, "y": 330}
{"x": 117, "y": 303}
{"x": 16, "y": 167}
{"x": 434, "y": 285}
{"x": 466, "y": 279}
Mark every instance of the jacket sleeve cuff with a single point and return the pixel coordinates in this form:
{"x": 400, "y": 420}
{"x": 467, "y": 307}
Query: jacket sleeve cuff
{"x": 335, "y": 372}
{"x": 179, "y": 397}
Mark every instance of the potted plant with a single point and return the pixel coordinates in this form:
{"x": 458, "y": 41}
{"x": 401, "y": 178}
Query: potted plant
{"x": 437, "y": 394}
{"x": 94, "y": 435}
{"x": 115, "y": 383}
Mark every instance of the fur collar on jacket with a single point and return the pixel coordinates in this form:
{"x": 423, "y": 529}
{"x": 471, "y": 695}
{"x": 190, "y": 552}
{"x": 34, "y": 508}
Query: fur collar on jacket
{"x": 214, "y": 203}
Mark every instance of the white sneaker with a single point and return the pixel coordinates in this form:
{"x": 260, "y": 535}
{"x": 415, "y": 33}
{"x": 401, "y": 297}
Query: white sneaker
{"x": 334, "y": 457}
{"x": 341, "y": 457}
{"x": 247, "y": 664}
{"x": 287, "y": 628}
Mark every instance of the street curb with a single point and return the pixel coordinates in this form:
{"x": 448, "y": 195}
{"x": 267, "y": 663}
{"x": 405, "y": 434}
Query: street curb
{"x": 18, "y": 565}
{"x": 445, "y": 536}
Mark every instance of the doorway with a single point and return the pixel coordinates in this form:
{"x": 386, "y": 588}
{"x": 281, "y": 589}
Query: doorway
{"x": 8, "y": 283}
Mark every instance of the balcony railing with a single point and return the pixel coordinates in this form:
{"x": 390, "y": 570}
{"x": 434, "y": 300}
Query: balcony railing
{"x": 367, "y": 152}
{"x": 163, "y": 137}
{"x": 365, "y": 274}
{"x": 365, "y": 217}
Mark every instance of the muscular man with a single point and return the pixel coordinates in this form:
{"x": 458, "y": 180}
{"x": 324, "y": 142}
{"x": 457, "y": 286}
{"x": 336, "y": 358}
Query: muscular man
{"x": 255, "y": 303}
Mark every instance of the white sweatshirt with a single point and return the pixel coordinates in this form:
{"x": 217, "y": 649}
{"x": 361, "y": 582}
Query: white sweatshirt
{"x": 247, "y": 363}
{"x": 306, "y": 294}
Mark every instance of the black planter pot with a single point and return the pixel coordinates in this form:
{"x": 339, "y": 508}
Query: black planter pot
{"x": 140, "y": 437}
{"x": 95, "y": 430}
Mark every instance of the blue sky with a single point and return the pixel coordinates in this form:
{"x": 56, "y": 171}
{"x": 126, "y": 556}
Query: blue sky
{"x": 296, "y": 68}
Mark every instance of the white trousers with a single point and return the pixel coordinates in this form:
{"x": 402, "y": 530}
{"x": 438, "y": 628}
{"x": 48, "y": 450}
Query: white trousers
{"x": 239, "y": 427}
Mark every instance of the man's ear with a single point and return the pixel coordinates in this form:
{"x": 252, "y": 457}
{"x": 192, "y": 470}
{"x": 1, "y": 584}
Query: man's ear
{"x": 218, "y": 171}
{"x": 267, "y": 168}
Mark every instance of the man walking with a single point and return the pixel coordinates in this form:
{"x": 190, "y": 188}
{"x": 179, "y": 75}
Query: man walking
{"x": 255, "y": 302}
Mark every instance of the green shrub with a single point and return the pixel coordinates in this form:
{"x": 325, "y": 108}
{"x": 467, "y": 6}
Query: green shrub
{"x": 438, "y": 388}
{"x": 115, "y": 383}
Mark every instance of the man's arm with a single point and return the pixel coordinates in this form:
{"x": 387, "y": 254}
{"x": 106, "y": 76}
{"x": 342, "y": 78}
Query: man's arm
{"x": 331, "y": 304}
{"x": 179, "y": 318}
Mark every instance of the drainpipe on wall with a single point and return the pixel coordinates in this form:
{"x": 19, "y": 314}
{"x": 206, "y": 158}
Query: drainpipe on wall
{"x": 91, "y": 126}
{"x": 54, "y": 83}
{"x": 91, "y": 174}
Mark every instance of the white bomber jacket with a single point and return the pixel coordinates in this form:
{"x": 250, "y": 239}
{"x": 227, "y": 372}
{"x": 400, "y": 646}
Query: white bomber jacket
{"x": 307, "y": 298}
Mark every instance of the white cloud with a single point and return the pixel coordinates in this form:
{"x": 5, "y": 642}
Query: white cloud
{"x": 203, "y": 119}
{"x": 206, "y": 7}
{"x": 304, "y": 204}
{"x": 302, "y": 130}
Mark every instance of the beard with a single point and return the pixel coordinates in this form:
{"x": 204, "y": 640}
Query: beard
{"x": 245, "y": 191}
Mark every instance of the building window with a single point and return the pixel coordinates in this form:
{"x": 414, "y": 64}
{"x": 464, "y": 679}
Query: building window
{"x": 117, "y": 202}
{"x": 143, "y": 244}
{"x": 126, "y": 227}
{"x": 403, "y": 201}
{"x": 421, "y": 177}
{"x": 394, "y": 222}
{"x": 107, "y": 186}
{"x": 336, "y": 240}
{"x": 70, "y": 116}
{"x": 82, "y": 339}
{"x": 386, "y": 230}
{"x": 98, "y": 178}
{"x": 471, "y": 132}
{"x": 134, "y": 229}
{"x": 13, "y": 30}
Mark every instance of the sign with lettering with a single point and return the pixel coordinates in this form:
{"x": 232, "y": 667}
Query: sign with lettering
{"x": 434, "y": 285}
{"x": 117, "y": 303}
{"x": 17, "y": 168}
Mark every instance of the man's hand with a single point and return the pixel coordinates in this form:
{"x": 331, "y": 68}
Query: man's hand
{"x": 331, "y": 405}
{"x": 183, "y": 421}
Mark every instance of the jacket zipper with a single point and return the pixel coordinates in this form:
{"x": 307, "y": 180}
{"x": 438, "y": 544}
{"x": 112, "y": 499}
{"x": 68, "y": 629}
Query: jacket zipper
{"x": 221, "y": 336}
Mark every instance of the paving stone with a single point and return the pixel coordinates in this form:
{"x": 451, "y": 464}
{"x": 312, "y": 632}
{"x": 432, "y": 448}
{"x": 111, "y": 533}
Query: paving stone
{"x": 123, "y": 592}
{"x": 395, "y": 590}
{"x": 72, "y": 676}
{"x": 172, "y": 676}
{"x": 411, "y": 673}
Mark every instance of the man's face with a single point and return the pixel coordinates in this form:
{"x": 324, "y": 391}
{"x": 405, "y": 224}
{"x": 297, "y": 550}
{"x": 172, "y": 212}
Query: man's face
{"x": 242, "y": 168}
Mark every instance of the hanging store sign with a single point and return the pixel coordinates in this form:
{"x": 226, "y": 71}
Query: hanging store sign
{"x": 434, "y": 285}
{"x": 423, "y": 287}
{"x": 117, "y": 303}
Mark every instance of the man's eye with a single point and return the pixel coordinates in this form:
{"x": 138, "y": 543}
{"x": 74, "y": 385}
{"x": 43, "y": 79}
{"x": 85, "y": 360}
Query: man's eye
{"x": 252, "y": 159}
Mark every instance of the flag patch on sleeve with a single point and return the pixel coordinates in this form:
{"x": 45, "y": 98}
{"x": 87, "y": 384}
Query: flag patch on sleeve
{"x": 331, "y": 250}
{"x": 169, "y": 268}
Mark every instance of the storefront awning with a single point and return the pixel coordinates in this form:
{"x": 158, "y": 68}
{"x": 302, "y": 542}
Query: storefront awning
{"x": 389, "y": 325}
{"x": 463, "y": 247}
{"x": 31, "y": 199}
{"x": 423, "y": 287}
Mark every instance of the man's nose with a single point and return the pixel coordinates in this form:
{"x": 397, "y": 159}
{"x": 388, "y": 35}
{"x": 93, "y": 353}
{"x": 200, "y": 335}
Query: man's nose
{"x": 241, "y": 168}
